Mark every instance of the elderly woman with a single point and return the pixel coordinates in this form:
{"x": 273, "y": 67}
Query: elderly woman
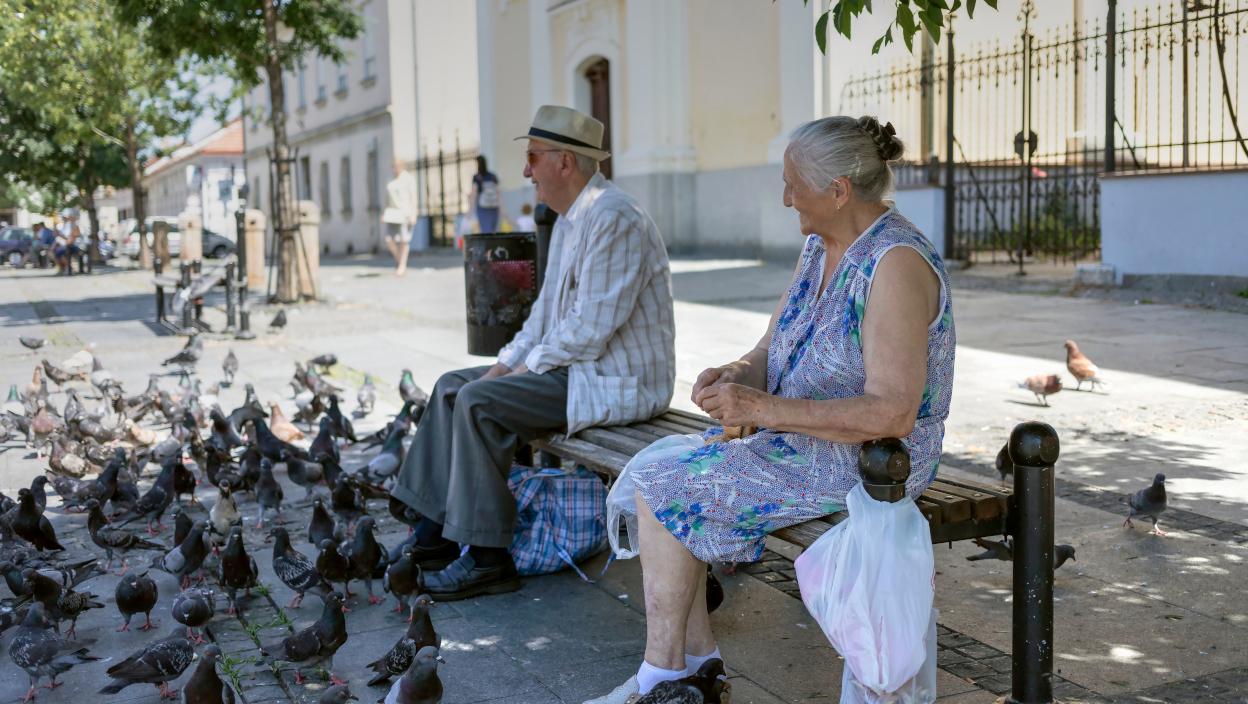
{"x": 860, "y": 347}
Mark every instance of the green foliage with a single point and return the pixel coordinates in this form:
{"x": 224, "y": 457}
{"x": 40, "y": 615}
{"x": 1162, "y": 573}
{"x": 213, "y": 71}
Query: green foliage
{"x": 1243, "y": 293}
{"x": 232, "y": 668}
{"x": 230, "y": 34}
{"x": 910, "y": 17}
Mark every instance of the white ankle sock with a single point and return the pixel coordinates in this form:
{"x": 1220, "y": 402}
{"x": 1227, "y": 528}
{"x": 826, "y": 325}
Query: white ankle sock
{"x": 649, "y": 675}
{"x": 693, "y": 662}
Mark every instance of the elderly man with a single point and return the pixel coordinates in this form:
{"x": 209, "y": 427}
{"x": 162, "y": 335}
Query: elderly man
{"x": 597, "y": 348}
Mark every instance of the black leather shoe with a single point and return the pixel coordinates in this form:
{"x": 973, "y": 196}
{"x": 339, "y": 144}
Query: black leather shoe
{"x": 463, "y": 579}
{"x": 429, "y": 558}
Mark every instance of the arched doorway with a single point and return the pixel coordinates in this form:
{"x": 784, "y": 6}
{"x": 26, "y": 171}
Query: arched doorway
{"x": 597, "y": 75}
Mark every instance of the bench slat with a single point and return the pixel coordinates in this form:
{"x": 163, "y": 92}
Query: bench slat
{"x": 952, "y": 508}
{"x": 658, "y": 432}
{"x": 694, "y": 426}
{"x": 674, "y": 428}
{"x": 803, "y": 534}
{"x": 613, "y": 440}
{"x": 697, "y": 418}
{"x": 590, "y": 455}
{"x": 634, "y": 433}
{"x": 983, "y": 506}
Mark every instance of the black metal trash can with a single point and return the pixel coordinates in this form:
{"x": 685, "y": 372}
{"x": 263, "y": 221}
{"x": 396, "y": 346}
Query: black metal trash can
{"x": 500, "y": 284}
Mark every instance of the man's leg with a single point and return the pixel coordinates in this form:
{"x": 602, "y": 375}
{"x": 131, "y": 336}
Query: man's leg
{"x": 492, "y": 419}
{"x": 423, "y": 478}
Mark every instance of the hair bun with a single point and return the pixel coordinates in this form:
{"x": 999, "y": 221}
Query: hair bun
{"x": 887, "y": 144}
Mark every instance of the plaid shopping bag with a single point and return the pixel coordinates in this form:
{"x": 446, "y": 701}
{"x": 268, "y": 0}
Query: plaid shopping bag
{"x": 561, "y": 518}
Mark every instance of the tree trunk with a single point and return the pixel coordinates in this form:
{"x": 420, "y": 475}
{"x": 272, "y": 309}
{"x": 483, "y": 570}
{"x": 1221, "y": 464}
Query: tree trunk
{"x": 93, "y": 242}
{"x": 136, "y": 189}
{"x": 285, "y": 228}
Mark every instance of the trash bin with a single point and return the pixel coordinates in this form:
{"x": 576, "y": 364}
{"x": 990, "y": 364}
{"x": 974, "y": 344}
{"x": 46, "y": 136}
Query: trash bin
{"x": 421, "y": 234}
{"x": 500, "y": 284}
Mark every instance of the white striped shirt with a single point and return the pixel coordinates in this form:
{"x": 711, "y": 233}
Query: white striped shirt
{"x": 604, "y": 311}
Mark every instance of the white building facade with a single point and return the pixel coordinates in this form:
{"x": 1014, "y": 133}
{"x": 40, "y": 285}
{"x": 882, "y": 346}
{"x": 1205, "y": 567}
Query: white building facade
{"x": 204, "y": 177}
{"x": 408, "y": 81}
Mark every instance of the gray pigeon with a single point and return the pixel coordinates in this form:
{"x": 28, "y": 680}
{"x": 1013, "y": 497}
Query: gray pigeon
{"x": 188, "y": 356}
{"x": 237, "y": 570}
{"x": 294, "y": 568}
{"x": 419, "y": 634}
{"x": 1004, "y": 551}
{"x": 338, "y": 694}
{"x": 32, "y": 343}
{"x": 706, "y": 686}
{"x": 315, "y": 644}
{"x": 420, "y": 684}
{"x": 366, "y": 397}
{"x": 230, "y": 367}
{"x": 157, "y": 663}
{"x": 205, "y": 685}
{"x": 42, "y": 653}
{"x": 136, "y": 593}
{"x": 279, "y": 321}
{"x": 187, "y": 557}
{"x": 1062, "y": 553}
{"x": 193, "y": 608}
{"x": 1149, "y": 502}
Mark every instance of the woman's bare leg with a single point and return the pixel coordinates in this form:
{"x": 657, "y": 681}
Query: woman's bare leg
{"x": 671, "y": 575}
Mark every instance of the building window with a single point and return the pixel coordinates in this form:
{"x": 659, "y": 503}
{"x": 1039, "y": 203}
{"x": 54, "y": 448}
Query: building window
{"x": 344, "y": 184}
{"x": 342, "y": 80}
{"x": 305, "y": 178}
{"x": 370, "y": 50}
{"x": 373, "y": 177}
{"x": 325, "y": 189}
{"x": 256, "y": 201}
{"x": 303, "y": 86}
{"x": 320, "y": 80}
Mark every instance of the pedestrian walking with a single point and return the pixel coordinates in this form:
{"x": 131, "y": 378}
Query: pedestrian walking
{"x": 400, "y": 215}
{"x": 485, "y": 198}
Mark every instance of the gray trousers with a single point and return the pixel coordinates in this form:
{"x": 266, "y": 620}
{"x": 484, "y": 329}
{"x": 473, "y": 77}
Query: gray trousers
{"x": 455, "y": 472}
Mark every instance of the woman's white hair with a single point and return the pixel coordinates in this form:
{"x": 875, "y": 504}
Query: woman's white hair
{"x": 859, "y": 149}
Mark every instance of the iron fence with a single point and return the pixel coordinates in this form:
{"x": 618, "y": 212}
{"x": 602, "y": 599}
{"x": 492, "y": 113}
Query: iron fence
{"x": 1033, "y": 129}
{"x": 445, "y": 179}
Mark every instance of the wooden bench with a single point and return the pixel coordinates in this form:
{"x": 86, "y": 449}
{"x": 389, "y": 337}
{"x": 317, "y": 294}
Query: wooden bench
{"x": 955, "y": 509}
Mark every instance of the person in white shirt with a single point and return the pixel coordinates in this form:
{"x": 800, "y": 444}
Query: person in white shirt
{"x": 526, "y": 223}
{"x": 597, "y": 348}
{"x": 400, "y": 215}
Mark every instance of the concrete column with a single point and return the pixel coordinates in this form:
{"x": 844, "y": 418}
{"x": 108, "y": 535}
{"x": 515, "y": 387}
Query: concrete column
{"x": 801, "y": 72}
{"x": 308, "y": 249}
{"x": 191, "y": 227}
{"x": 160, "y": 242}
{"x": 541, "y": 70}
{"x": 254, "y": 224}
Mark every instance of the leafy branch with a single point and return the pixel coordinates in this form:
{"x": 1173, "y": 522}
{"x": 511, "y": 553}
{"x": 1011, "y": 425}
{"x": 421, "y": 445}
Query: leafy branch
{"x": 910, "y": 17}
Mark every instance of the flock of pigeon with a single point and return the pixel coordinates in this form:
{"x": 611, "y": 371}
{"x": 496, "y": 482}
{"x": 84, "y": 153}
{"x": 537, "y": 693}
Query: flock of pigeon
{"x": 95, "y": 459}
{"x": 1148, "y": 502}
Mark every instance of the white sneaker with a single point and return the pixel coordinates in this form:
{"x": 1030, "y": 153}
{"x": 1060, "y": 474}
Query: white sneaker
{"x": 629, "y": 691}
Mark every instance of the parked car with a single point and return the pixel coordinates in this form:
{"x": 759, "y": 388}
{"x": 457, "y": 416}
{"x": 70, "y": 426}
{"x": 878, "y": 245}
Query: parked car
{"x": 215, "y": 245}
{"x": 15, "y": 244}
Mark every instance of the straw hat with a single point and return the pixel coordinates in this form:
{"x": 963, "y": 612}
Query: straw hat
{"x": 568, "y": 129}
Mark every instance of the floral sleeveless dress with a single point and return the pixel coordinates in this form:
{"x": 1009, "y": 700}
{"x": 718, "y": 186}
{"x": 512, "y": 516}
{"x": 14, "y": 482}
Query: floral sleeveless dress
{"x": 723, "y": 498}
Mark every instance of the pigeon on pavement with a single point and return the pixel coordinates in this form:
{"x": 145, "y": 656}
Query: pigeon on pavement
{"x": 1004, "y": 551}
{"x": 315, "y": 644}
{"x": 194, "y": 608}
{"x": 187, "y": 557}
{"x": 229, "y": 366}
{"x": 333, "y": 565}
{"x": 237, "y": 570}
{"x": 279, "y": 321}
{"x": 1149, "y": 502}
{"x": 114, "y": 539}
{"x": 420, "y": 684}
{"x": 1042, "y": 385}
{"x": 157, "y": 663}
{"x": 323, "y": 361}
{"x": 706, "y": 686}
{"x": 1081, "y": 367}
{"x": 294, "y": 568}
{"x": 321, "y": 526}
{"x": 42, "y": 653}
{"x": 1005, "y": 463}
{"x": 268, "y": 493}
{"x": 338, "y": 694}
{"x": 32, "y": 343}
{"x": 29, "y": 523}
{"x": 205, "y": 685}
{"x": 136, "y": 594}
{"x": 368, "y": 558}
{"x": 366, "y": 397}
{"x": 420, "y": 633}
{"x": 402, "y": 578}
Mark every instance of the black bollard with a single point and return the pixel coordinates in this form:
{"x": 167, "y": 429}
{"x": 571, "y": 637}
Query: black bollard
{"x": 157, "y": 267}
{"x": 885, "y": 466}
{"x": 1034, "y": 449}
{"x": 244, "y": 314}
{"x": 230, "y": 291}
{"x": 184, "y": 283}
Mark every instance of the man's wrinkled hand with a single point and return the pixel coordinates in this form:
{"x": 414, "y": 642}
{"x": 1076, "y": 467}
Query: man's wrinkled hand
{"x": 735, "y": 404}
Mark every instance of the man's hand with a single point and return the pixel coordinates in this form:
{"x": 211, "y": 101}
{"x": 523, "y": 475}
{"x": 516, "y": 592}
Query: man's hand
{"x": 735, "y": 404}
{"x": 732, "y": 373}
{"x": 499, "y": 369}
{"x": 520, "y": 369}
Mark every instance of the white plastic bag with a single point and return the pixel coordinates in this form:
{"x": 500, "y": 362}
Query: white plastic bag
{"x": 869, "y": 583}
{"x": 622, "y": 502}
{"x": 920, "y": 689}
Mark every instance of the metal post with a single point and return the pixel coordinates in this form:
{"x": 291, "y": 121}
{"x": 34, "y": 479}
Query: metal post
{"x": 1111, "y": 44}
{"x": 244, "y": 313}
{"x": 950, "y": 185}
{"x": 157, "y": 267}
{"x": 545, "y": 219}
{"x": 1033, "y": 448}
{"x": 1025, "y": 238}
{"x": 884, "y": 465}
{"x": 184, "y": 284}
{"x": 240, "y": 240}
{"x": 441, "y": 190}
{"x": 1185, "y": 95}
{"x": 231, "y": 312}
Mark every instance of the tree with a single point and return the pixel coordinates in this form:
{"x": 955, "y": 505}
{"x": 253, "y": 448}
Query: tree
{"x": 244, "y": 36}
{"x": 85, "y": 98}
{"x": 909, "y": 18}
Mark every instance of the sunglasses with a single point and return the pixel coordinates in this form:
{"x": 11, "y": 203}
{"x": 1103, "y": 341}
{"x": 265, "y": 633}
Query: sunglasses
{"x": 531, "y": 154}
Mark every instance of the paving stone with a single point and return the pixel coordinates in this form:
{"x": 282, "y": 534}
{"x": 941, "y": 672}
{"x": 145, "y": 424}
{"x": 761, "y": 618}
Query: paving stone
{"x": 978, "y": 651}
{"x": 971, "y": 670}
